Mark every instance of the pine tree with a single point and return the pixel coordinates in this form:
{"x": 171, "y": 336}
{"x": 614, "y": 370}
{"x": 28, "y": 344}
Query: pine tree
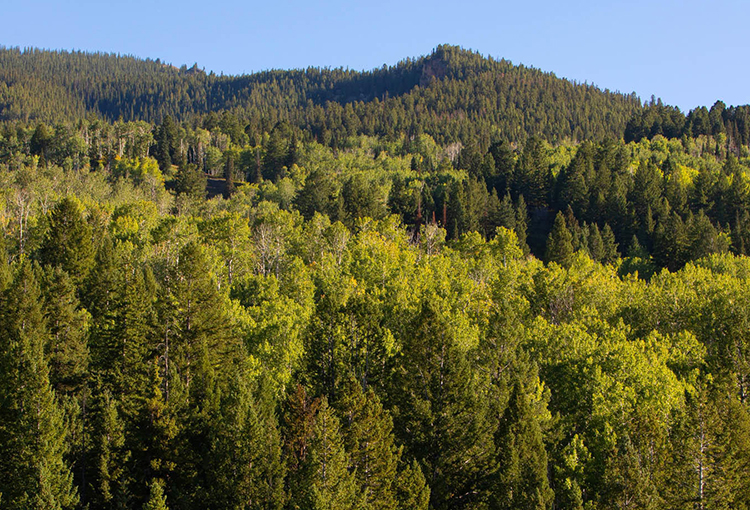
{"x": 32, "y": 433}
{"x": 560, "y": 243}
{"x": 120, "y": 343}
{"x": 191, "y": 182}
{"x": 609, "y": 246}
{"x": 327, "y": 482}
{"x": 67, "y": 352}
{"x": 230, "y": 188}
{"x": 522, "y": 482}
{"x": 299, "y": 423}
{"x": 412, "y": 491}
{"x": 532, "y": 176}
{"x": 596, "y": 243}
{"x": 68, "y": 243}
{"x": 244, "y": 465}
{"x": 109, "y": 481}
{"x": 439, "y": 414}
{"x": 156, "y": 500}
{"x": 522, "y": 224}
{"x": 368, "y": 437}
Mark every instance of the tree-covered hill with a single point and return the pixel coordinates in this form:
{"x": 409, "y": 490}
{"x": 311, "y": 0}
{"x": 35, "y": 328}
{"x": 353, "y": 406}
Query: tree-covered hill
{"x": 452, "y": 94}
{"x": 453, "y": 283}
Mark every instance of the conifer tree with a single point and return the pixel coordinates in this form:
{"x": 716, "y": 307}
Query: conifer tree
{"x": 32, "y": 433}
{"x": 191, "y": 181}
{"x": 609, "y": 246}
{"x": 299, "y": 423}
{"x": 245, "y": 464}
{"x": 157, "y": 500}
{"x": 67, "y": 351}
{"x": 560, "y": 243}
{"x": 438, "y": 412}
{"x": 522, "y": 224}
{"x": 596, "y": 243}
{"x": 412, "y": 491}
{"x": 68, "y": 243}
{"x": 110, "y": 477}
{"x": 522, "y": 482}
{"x": 368, "y": 437}
{"x": 327, "y": 481}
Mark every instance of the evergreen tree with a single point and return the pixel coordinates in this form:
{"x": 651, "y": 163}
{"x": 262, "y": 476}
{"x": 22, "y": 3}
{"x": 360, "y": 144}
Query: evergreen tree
{"x": 596, "y": 243}
{"x": 109, "y": 481}
{"x": 299, "y": 424}
{"x": 368, "y": 438}
{"x": 522, "y": 482}
{"x": 532, "y": 175}
{"x": 327, "y": 482}
{"x": 439, "y": 413}
{"x": 32, "y": 434}
{"x": 522, "y": 222}
{"x": 67, "y": 351}
{"x": 191, "y": 181}
{"x": 609, "y": 246}
{"x": 244, "y": 464}
{"x": 68, "y": 243}
{"x": 560, "y": 243}
{"x": 156, "y": 500}
{"x": 412, "y": 491}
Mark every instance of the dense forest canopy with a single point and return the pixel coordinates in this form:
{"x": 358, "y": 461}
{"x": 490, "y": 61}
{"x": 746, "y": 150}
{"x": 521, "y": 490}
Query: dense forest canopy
{"x": 453, "y": 283}
{"x": 450, "y": 94}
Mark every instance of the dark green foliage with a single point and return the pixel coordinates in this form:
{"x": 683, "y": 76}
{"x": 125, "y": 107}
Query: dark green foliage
{"x": 417, "y": 95}
{"x": 68, "y": 243}
{"x": 411, "y": 487}
{"x": 67, "y": 350}
{"x": 522, "y": 460}
{"x": 368, "y": 437}
{"x": 440, "y": 416}
{"x": 532, "y": 177}
{"x": 560, "y": 243}
{"x": 156, "y": 500}
{"x": 362, "y": 198}
{"x": 32, "y": 432}
{"x": 245, "y": 467}
{"x": 148, "y": 366}
{"x": 191, "y": 181}
{"x": 324, "y": 479}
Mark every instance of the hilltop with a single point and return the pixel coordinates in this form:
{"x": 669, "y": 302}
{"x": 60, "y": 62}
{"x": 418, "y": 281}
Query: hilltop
{"x": 451, "y": 94}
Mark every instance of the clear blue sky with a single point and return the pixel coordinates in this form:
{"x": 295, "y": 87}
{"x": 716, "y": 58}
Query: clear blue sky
{"x": 688, "y": 52}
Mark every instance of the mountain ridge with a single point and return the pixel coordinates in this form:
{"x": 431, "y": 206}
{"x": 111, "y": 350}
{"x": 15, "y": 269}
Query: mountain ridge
{"x": 452, "y": 94}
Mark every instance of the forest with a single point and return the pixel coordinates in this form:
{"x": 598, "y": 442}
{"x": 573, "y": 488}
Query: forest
{"x": 453, "y": 283}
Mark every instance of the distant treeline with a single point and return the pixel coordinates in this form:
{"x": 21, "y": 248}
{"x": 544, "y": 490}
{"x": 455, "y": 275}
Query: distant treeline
{"x": 452, "y": 94}
{"x": 664, "y": 202}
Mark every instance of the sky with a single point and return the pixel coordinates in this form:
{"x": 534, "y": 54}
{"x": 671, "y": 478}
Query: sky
{"x": 689, "y": 53}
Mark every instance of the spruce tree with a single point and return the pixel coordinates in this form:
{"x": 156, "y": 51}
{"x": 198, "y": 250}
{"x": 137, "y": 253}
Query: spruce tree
{"x": 609, "y": 246}
{"x": 32, "y": 433}
{"x": 560, "y": 243}
{"x": 68, "y": 243}
{"x": 440, "y": 414}
{"x": 596, "y": 243}
{"x": 67, "y": 350}
{"x": 412, "y": 491}
{"x": 522, "y": 224}
{"x": 157, "y": 500}
{"x": 521, "y": 482}
{"x": 244, "y": 465}
{"x": 368, "y": 437}
{"x": 109, "y": 479}
{"x": 327, "y": 481}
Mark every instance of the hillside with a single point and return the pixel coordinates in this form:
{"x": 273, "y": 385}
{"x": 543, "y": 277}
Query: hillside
{"x": 452, "y": 94}
{"x": 404, "y": 289}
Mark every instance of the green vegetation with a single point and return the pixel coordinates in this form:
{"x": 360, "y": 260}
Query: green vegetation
{"x": 240, "y": 307}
